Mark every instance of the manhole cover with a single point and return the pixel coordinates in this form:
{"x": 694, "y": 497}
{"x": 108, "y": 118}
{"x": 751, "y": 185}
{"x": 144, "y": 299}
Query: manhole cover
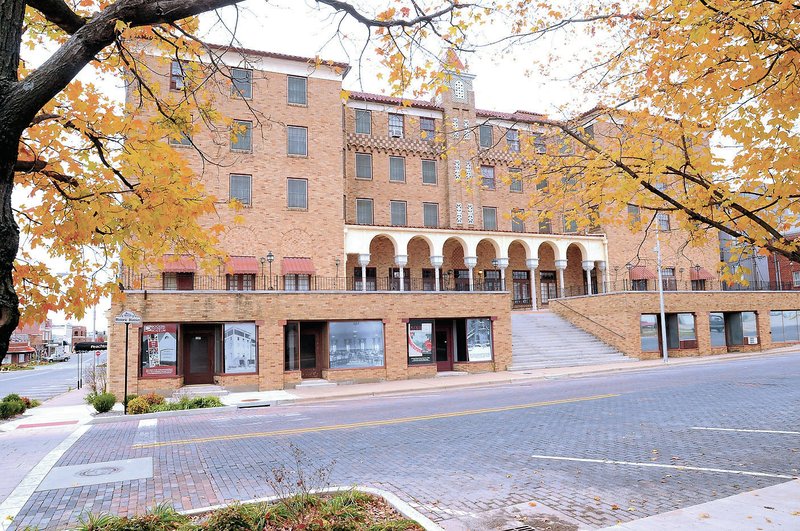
{"x": 100, "y": 471}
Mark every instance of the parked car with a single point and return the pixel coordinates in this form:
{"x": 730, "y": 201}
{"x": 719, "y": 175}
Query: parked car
{"x": 58, "y": 356}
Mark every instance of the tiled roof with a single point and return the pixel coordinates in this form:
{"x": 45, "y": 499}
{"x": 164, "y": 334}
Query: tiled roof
{"x": 516, "y": 116}
{"x": 390, "y": 100}
{"x": 275, "y": 55}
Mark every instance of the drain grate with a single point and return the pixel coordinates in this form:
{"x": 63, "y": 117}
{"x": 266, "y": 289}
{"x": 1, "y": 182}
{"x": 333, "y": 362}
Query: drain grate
{"x": 520, "y": 528}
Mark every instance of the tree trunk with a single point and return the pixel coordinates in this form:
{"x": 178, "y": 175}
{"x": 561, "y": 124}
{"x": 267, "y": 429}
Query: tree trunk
{"x": 12, "y": 13}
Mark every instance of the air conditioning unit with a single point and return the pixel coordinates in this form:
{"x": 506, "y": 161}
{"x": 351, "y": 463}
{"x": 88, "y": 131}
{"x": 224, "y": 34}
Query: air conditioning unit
{"x": 752, "y": 340}
{"x": 396, "y": 135}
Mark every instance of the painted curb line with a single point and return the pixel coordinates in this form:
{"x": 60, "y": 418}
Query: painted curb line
{"x": 11, "y": 507}
{"x": 399, "y": 505}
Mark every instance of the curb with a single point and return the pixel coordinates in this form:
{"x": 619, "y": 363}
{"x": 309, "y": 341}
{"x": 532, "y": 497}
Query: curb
{"x": 160, "y": 414}
{"x": 406, "y": 510}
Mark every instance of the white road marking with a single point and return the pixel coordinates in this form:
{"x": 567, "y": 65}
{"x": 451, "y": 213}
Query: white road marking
{"x": 781, "y": 432}
{"x": 658, "y": 465}
{"x": 148, "y": 423}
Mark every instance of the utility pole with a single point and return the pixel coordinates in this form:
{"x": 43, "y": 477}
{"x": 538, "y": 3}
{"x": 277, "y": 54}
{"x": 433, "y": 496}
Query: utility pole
{"x": 665, "y": 354}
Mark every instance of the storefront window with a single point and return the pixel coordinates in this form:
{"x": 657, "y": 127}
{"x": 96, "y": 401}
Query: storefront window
{"x": 785, "y": 326}
{"x": 479, "y": 339}
{"x": 648, "y": 328}
{"x": 291, "y": 347}
{"x": 240, "y": 347}
{"x": 159, "y": 349}
{"x": 717, "y": 329}
{"x": 420, "y": 342}
{"x": 355, "y": 344}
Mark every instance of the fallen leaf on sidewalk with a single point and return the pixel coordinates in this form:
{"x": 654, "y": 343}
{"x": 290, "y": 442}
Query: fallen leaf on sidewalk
{"x": 705, "y": 515}
{"x": 532, "y": 504}
{"x": 614, "y": 507}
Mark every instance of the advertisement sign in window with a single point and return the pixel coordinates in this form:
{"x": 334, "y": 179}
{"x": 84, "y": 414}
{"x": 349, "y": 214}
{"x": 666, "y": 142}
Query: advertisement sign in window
{"x": 355, "y": 344}
{"x": 479, "y": 339}
{"x": 240, "y": 347}
{"x": 159, "y": 349}
{"x": 420, "y": 342}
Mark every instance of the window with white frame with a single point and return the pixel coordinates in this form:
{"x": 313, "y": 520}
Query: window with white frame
{"x": 177, "y": 76}
{"x": 487, "y": 177}
{"x": 363, "y": 122}
{"x": 240, "y": 188}
{"x": 297, "y": 90}
{"x": 363, "y": 166}
{"x": 512, "y": 140}
{"x": 397, "y": 211}
{"x": 429, "y": 172}
{"x": 795, "y": 278}
{"x": 662, "y": 218}
{"x": 397, "y": 169}
{"x": 364, "y": 211}
{"x": 297, "y": 139}
{"x": 395, "y": 125}
{"x": 297, "y": 194}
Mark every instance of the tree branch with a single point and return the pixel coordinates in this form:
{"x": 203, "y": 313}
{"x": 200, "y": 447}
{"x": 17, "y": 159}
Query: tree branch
{"x": 59, "y": 13}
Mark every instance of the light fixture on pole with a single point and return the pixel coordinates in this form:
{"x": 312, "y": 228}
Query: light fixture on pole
{"x": 270, "y": 259}
{"x": 336, "y": 278}
{"x": 264, "y": 281}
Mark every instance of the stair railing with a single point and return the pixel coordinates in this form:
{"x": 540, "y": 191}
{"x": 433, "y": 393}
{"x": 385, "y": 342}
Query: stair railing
{"x": 586, "y": 317}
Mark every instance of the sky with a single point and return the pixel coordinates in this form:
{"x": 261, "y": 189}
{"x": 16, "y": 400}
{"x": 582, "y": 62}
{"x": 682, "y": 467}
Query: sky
{"x": 505, "y": 82}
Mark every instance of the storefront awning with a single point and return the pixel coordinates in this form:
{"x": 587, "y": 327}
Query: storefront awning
{"x": 242, "y": 265}
{"x": 20, "y": 349}
{"x": 297, "y": 266}
{"x": 641, "y": 273}
{"x": 698, "y": 273}
{"x": 179, "y": 263}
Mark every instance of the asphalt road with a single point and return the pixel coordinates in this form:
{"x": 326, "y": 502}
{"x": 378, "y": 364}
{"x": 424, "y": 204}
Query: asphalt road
{"x": 598, "y": 450}
{"x": 45, "y": 381}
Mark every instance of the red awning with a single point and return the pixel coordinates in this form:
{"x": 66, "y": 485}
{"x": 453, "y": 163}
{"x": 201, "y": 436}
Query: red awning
{"x": 641, "y": 273}
{"x": 179, "y": 263}
{"x": 19, "y": 349}
{"x": 242, "y": 265}
{"x": 297, "y": 266}
{"x": 698, "y": 273}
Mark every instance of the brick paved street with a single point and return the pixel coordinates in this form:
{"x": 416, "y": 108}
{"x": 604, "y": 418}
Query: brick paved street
{"x": 465, "y": 461}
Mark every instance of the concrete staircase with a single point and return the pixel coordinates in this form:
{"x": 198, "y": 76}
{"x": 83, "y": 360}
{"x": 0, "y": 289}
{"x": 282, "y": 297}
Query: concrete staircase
{"x": 543, "y": 339}
{"x": 193, "y": 391}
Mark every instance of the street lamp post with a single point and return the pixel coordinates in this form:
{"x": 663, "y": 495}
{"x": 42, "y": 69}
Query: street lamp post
{"x": 270, "y": 259}
{"x": 336, "y": 279}
{"x": 665, "y": 353}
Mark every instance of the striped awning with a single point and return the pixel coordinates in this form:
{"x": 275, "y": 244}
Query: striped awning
{"x": 16, "y": 348}
{"x": 242, "y": 265}
{"x": 641, "y": 273}
{"x": 179, "y": 263}
{"x": 698, "y": 273}
{"x": 292, "y": 265}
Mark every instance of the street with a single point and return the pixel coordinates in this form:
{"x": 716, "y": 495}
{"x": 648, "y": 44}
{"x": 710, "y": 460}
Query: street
{"x": 46, "y": 381}
{"x": 599, "y": 450}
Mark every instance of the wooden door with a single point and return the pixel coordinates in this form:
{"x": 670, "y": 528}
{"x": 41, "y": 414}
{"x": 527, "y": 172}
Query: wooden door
{"x": 309, "y": 348}
{"x": 198, "y": 357}
{"x": 444, "y": 349}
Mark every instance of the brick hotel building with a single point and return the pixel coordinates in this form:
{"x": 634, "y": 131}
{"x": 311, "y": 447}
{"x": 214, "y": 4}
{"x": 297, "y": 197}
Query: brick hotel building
{"x": 364, "y": 254}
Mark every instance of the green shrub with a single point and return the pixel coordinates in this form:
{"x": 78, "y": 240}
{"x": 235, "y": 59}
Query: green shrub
{"x": 233, "y": 518}
{"x": 13, "y": 397}
{"x": 129, "y": 398}
{"x": 11, "y": 408}
{"x": 104, "y": 402}
{"x": 138, "y": 406}
{"x": 162, "y": 517}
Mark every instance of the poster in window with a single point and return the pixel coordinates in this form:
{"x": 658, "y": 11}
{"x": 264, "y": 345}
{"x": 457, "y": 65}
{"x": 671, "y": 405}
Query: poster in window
{"x": 159, "y": 349}
{"x": 479, "y": 339}
{"x": 355, "y": 344}
{"x": 420, "y": 342}
{"x": 240, "y": 347}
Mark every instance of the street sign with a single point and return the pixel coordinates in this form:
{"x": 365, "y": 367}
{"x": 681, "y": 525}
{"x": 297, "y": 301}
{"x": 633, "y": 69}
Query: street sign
{"x": 84, "y": 347}
{"x": 128, "y": 317}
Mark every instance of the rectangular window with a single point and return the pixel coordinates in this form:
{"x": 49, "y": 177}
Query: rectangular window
{"x": 687, "y": 337}
{"x": 542, "y": 185}
{"x": 296, "y": 282}
{"x": 297, "y": 196}
{"x": 570, "y": 225}
{"x": 516, "y": 180}
{"x": 634, "y": 215}
{"x": 538, "y": 143}
{"x": 784, "y": 326}
{"x": 545, "y": 226}
{"x": 670, "y": 283}
{"x": 489, "y": 218}
{"x": 240, "y": 282}
{"x": 398, "y": 213}
{"x": 648, "y": 331}
{"x": 363, "y": 166}
{"x": 240, "y": 188}
{"x": 395, "y": 125}
{"x": 517, "y": 220}
{"x": 242, "y": 83}
{"x": 176, "y": 76}
{"x": 699, "y": 285}
{"x": 420, "y": 342}
{"x": 397, "y": 169}
{"x": 372, "y": 279}
{"x": 159, "y": 354}
{"x": 663, "y": 221}
{"x": 741, "y": 328}
{"x": 297, "y": 138}
{"x": 485, "y": 136}
{"x": 430, "y": 214}
{"x": 178, "y": 281}
{"x": 795, "y": 278}
{"x": 355, "y": 344}
{"x": 512, "y": 139}
{"x": 364, "y": 211}
{"x": 181, "y": 139}
{"x": 240, "y": 344}
{"x": 242, "y": 136}
{"x": 479, "y": 339}
{"x": 297, "y": 90}
{"x": 363, "y": 122}
{"x": 716, "y": 323}
{"x": 487, "y": 177}
{"x": 429, "y": 172}
{"x": 427, "y": 128}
